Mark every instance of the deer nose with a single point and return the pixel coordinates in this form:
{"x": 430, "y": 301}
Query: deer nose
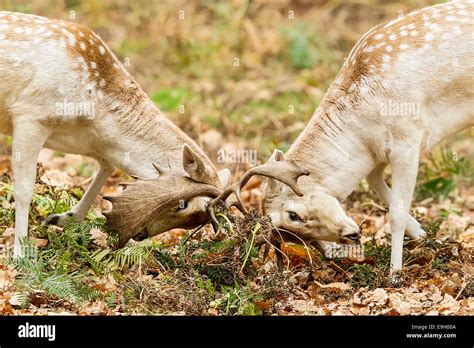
{"x": 351, "y": 233}
{"x": 352, "y": 236}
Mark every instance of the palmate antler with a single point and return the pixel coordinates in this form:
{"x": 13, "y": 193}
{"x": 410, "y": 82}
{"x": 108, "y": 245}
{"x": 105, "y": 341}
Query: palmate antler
{"x": 143, "y": 202}
{"x": 276, "y": 168}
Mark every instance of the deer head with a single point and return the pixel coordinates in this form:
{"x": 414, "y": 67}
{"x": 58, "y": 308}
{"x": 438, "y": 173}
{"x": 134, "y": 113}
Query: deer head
{"x": 285, "y": 172}
{"x": 317, "y": 215}
{"x": 174, "y": 199}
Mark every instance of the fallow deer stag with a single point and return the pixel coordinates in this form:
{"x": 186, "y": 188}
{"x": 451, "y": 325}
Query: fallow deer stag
{"x": 62, "y": 87}
{"x": 406, "y": 85}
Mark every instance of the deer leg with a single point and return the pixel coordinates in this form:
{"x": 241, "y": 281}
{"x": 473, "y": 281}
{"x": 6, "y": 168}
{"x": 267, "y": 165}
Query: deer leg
{"x": 404, "y": 170}
{"x": 378, "y": 184}
{"x": 79, "y": 212}
{"x": 28, "y": 139}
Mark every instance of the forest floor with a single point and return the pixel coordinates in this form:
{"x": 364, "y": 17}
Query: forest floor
{"x": 75, "y": 270}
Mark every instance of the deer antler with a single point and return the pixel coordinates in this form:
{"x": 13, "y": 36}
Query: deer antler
{"x": 276, "y": 167}
{"x": 144, "y": 201}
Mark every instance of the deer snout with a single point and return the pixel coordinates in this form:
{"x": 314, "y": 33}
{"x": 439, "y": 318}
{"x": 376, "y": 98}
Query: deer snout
{"x": 350, "y": 233}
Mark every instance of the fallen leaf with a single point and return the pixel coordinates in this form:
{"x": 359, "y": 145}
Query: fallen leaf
{"x": 56, "y": 178}
{"x": 468, "y": 268}
{"x": 15, "y": 300}
{"x": 9, "y": 231}
{"x": 379, "y": 297}
{"x": 337, "y": 285}
{"x": 99, "y": 237}
{"x": 263, "y": 305}
{"x": 437, "y": 296}
{"x": 449, "y": 305}
{"x": 40, "y": 242}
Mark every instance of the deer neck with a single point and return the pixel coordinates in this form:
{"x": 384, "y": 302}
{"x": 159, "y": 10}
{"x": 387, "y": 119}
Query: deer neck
{"x": 141, "y": 135}
{"x": 332, "y": 149}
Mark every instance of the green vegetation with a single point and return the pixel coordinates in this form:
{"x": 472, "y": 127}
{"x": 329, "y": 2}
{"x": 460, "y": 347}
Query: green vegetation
{"x": 442, "y": 173}
{"x": 75, "y": 259}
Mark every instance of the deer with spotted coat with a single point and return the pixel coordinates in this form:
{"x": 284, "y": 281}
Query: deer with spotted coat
{"x": 405, "y": 86}
{"x": 61, "y": 87}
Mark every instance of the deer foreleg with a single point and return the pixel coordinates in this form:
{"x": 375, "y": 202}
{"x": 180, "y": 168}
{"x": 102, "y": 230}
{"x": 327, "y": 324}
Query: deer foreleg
{"x": 404, "y": 170}
{"x": 79, "y": 212}
{"x": 378, "y": 184}
{"x": 28, "y": 138}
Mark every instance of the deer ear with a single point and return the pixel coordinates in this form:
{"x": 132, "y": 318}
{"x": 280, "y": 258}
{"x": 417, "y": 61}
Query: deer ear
{"x": 190, "y": 161}
{"x": 278, "y": 156}
{"x": 195, "y": 166}
{"x": 224, "y": 177}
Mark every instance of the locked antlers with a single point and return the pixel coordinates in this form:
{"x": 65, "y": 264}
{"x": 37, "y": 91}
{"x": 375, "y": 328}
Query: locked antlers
{"x": 276, "y": 168}
{"x": 148, "y": 207}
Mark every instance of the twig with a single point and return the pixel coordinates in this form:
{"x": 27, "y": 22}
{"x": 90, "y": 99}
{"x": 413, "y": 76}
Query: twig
{"x": 192, "y": 233}
{"x": 464, "y": 283}
{"x": 228, "y": 222}
{"x": 254, "y": 232}
{"x": 278, "y": 249}
{"x": 304, "y": 244}
{"x": 339, "y": 268}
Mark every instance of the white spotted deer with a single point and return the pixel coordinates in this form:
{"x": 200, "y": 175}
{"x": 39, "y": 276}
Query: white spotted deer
{"x": 406, "y": 85}
{"x": 61, "y": 87}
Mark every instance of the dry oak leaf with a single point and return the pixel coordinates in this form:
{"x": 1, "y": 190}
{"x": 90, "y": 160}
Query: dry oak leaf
{"x": 337, "y": 285}
{"x": 5, "y": 307}
{"x": 9, "y": 231}
{"x": 468, "y": 268}
{"x": 378, "y": 297}
{"x": 467, "y": 237}
{"x": 299, "y": 278}
{"x": 306, "y": 307}
{"x": 99, "y": 237}
{"x": 94, "y": 308}
{"x": 7, "y": 276}
{"x": 60, "y": 312}
{"x": 15, "y": 300}
{"x": 436, "y": 296}
{"x": 404, "y": 304}
{"x": 449, "y": 305}
{"x": 341, "y": 310}
{"x": 55, "y": 178}
{"x": 41, "y": 242}
{"x": 364, "y": 310}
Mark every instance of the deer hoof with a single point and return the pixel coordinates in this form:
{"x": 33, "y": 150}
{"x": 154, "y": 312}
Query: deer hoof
{"x": 396, "y": 277}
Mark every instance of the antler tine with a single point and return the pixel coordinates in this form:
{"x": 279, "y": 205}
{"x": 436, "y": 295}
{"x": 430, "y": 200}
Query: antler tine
{"x": 158, "y": 168}
{"x": 276, "y": 168}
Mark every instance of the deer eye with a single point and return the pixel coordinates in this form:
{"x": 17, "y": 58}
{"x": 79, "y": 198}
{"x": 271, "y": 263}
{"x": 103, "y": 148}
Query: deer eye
{"x": 294, "y": 217}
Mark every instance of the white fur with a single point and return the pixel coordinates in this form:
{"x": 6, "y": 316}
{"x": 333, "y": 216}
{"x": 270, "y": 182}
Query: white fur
{"x": 38, "y": 72}
{"x": 438, "y": 79}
